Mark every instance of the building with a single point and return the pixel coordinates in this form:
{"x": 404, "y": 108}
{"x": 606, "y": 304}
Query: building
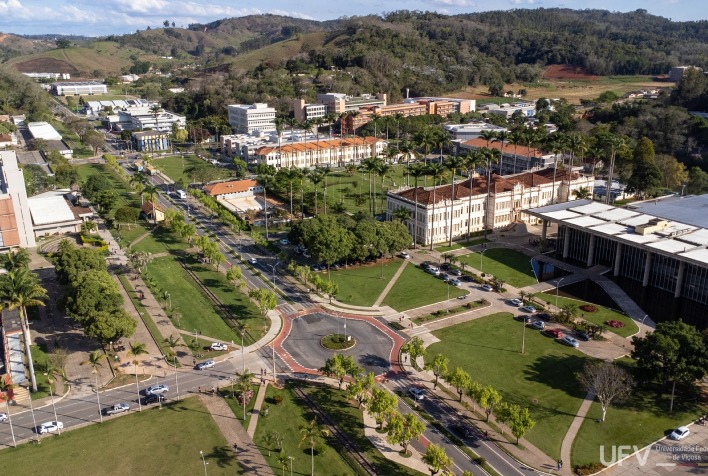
{"x": 152, "y": 212}
{"x": 462, "y": 106}
{"x": 43, "y": 130}
{"x": 247, "y": 118}
{"x": 515, "y": 158}
{"x": 150, "y": 141}
{"x": 676, "y": 73}
{"x": 470, "y": 211}
{"x": 508, "y": 110}
{"x": 657, "y": 250}
{"x": 233, "y": 189}
{"x": 8, "y": 140}
{"x": 244, "y": 146}
{"x": 15, "y": 220}
{"x": 307, "y": 112}
{"x": 79, "y": 88}
{"x": 334, "y": 152}
{"x": 93, "y": 108}
{"x": 472, "y": 130}
{"x": 139, "y": 119}
{"x": 339, "y": 103}
{"x": 53, "y": 214}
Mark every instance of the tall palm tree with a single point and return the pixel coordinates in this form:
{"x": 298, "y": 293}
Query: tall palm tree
{"x": 516, "y": 137}
{"x": 5, "y": 389}
{"x": 15, "y": 259}
{"x": 398, "y": 117}
{"x": 582, "y": 193}
{"x": 243, "y": 383}
{"x": 370, "y": 165}
{"x": 453, "y": 164}
{"x": 20, "y": 289}
{"x": 137, "y": 349}
{"x": 291, "y": 176}
{"x": 138, "y": 181}
{"x": 614, "y": 145}
{"x": 556, "y": 147}
{"x": 436, "y": 172}
{"x": 426, "y": 139}
{"x": 266, "y": 173}
{"x": 326, "y": 170}
{"x": 284, "y": 461}
{"x": 407, "y": 152}
{"x": 172, "y": 343}
{"x": 491, "y": 156}
{"x": 151, "y": 191}
{"x": 280, "y": 123}
{"x": 383, "y": 170}
{"x": 242, "y": 328}
{"x": 473, "y": 159}
{"x": 311, "y": 434}
{"x": 54, "y": 373}
{"x": 417, "y": 171}
{"x": 578, "y": 146}
{"x": 597, "y": 153}
{"x": 488, "y": 135}
{"x": 315, "y": 176}
{"x": 94, "y": 361}
{"x": 503, "y": 137}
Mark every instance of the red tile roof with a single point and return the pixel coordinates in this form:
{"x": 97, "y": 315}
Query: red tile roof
{"x": 321, "y": 145}
{"x": 519, "y": 150}
{"x": 232, "y": 186}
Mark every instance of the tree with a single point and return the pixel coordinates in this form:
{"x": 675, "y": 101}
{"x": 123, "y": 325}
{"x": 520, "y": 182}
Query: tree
{"x": 488, "y": 398}
{"x": 284, "y": 461}
{"x": 135, "y": 350}
{"x": 266, "y": 300}
{"x": 311, "y": 434}
{"x": 582, "y": 193}
{"x": 646, "y": 176}
{"x": 674, "y": 353}
{"x": 63, "y": 43}
{"x": 517, "y": 418}
{"x": 360, "y": 387}
{"x": 95, "y": 140}
{"x": 402, "y": 429}
{"x": 459, "y": 379}
{"x": 243, "y": 384}
{"x": 382, "y": 405}
{"x": 20, "y": 289}
{"x": 608, "y": 382}
{"x": 266, "y": 173}
{"x": 438, "y": 366}
{"x": 697, "y": 181}
{"x": 107, "y": 326}
{"x": 673, "y": 172}
{"x": 235, "y": 276}
{"x": 92, "y": 291}
{"x": 437, "y": 172}
{"x": 339, "y": 366}
{"x": 416, "y": 171}
{"x": 94, "y": 361}
{"x": 454, "y": 164}
{"x": 414, "y": 348}
{"x": 15, "y": 259}
{"x": 436, "y": 459}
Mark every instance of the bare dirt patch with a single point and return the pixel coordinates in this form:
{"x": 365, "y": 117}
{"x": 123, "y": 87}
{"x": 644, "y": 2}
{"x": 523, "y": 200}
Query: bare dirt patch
{"x": 562, "y": 71}
{"x": 45, "y": 65}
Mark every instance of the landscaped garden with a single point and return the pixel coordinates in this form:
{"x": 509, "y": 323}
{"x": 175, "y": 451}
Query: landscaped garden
{"x": 542, "y": 379}
{"x": 416, "y": 288}
{"x": 599, "y": 317}
{"x": 510, "y": 266}
{"x": 151, "y": 442}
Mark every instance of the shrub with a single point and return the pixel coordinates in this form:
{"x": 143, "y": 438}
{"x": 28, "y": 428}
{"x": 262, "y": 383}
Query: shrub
{"x": 277, "y": 399}
{"x": 590, "y": 468}
{"x": 588, "y": 308}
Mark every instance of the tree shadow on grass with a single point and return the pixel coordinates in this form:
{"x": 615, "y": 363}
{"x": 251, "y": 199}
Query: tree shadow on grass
{"x": 222, "y": 455}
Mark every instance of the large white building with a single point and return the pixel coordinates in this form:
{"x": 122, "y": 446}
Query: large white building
{"x": 247, "y": 118}
{"x": 43, "y": 130}
{"x": 79, "y": 88}
{"x": 434, "y": 210}
{"x": 472, "y": 130}
{"x": 15, "y": 221}
{"x": 515, "y": 158}
{"x": 333, "y": 152}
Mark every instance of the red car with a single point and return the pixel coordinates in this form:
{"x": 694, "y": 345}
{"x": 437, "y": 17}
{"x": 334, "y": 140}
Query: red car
{"x": 555, "y": 333}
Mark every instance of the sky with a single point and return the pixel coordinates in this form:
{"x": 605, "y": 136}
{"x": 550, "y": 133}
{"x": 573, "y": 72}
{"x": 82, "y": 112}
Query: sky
{"x": 99, "y": 18}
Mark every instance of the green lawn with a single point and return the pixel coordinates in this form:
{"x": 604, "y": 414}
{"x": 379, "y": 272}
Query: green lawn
{"x": 166, "y": 441}
{"x": 602, "y": 315}
{"x": 126, "y": 197}
{"x": 174, "y": 167}
{"x": 41, "y": 362}
{"x": 642, "y": 419}
{"x": 286, "y": 419}
{"x": 416, "y": 288}
{"x": 362, "y": 285}
{"x": 512, "y": 267}
{"x": 159, "y": 240}
{"x": 236, "y": 405}
{"x": 542, "y": 379}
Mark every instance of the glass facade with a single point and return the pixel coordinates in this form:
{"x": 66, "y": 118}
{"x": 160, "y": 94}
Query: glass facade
{"x": 663, "y": 273}
{"x": 605, "y": 251}
{"x": 633, "y": 262}
{"x": 579, "y": 245}
{"x": 695, "y": 284}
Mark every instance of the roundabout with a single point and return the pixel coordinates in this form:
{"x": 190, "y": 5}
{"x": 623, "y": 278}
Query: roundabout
{"x": 370, "y": 346}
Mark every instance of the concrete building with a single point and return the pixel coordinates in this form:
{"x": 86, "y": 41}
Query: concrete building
{"x": 472, "y": 130}
{"x": 138, "y": 119}
{"x": 515, "y": 158}
{"x": 657, "y": 250}
{"x": 233, "y": 189}
{"x": 307, "y": 112}
{"x": 463, "y": 106}
{"x": 351, "y": 123}
{"x": 339, "y": 103}
{"x": 469, "y": 208}
{"x": 676, "y": 73}
{"x": 79, "y": 88}
{"x": 508, "y": 110}
{"x": 15, "y": 219}
{"x": 43, "y": 130}
{"x": 53, "y": 214}
{"x": 245, "y": 146}
{"x": 334, "y": 152}
{"x": 246, "y": 118}
{"x": 149, "y": 141}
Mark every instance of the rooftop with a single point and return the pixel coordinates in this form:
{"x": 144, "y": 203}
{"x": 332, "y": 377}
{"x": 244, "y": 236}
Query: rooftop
{"x": 50, "y": 209}
{"x": 692, "y": 210}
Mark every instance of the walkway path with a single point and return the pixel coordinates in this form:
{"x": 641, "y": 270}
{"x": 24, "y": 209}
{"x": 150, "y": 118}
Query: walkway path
{"x": 140, "y": 238}
{"x": 256, "y": 412}
{"x": 390, "y": 284}
{"x": 572, "y": 432}
{"x": 247, "y": 453}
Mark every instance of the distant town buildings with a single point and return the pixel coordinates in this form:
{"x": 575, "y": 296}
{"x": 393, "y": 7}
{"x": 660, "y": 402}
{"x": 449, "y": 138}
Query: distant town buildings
{"x": 248, "y": 118}
{"x": 48, "y": 75}
{"x": 676, "y": 73}
{"x": 525, "y": 109}
{"x": 93, "y": 108}
{"x": 430, "y": 217}
{"x": 472, "y": 130}
{"x": 79, "y": 88}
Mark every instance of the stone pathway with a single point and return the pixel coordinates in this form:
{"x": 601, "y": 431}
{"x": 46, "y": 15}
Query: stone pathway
{"x": 256, "y": 412}
{"x": 390, "y": 284}
{"x": 245, "y": 450}
{"x": 572, "y": 432}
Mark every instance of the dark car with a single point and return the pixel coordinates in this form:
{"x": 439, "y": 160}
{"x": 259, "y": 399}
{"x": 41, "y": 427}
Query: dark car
{"x": 582, "y": 335}
{"x": 462, "y": 431}
{"x": 153, "y": 398}
{"x": 544, "y": 316}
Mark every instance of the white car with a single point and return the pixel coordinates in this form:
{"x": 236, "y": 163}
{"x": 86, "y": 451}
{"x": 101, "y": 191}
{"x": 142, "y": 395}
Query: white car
{"x": 3, "y": 417}
{"x": 487, "y": 287}
{"x": 405, "y": 255}
{"x": 416, "y": 393}
{"x": 219, "y": 346}
{"x": 252, "y": 260}
{"x": 157, "y": 389}
{"x": 516, "y": 302}
{"x": 530, "y": 309}
{"x": 50, "y": 427}
{"x": 567, "y": 340}
{"x": 207, "y": 364}
{"x": 679, "y": 433}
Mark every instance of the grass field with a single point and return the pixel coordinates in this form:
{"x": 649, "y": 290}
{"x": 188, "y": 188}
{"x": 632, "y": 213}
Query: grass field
{"x": 166, "y": 441}
{"x": 512, "y": 267}
{"x": 642, "y": 419}
{"x": 126, "y": 197}
{"x": 175, "y": 166}
{"x": 416, "y": 288}
{"x": 602, "y": 315}
{"x": 362, "y": 285}
{"x": 542, "y": 379}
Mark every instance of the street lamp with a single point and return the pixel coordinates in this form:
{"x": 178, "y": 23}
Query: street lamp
{"x": 174, "y": 360}
{"x": 557, "y": 285}
{"x": 272, "y": 267}
{"x": 523, "y": 334}
{"x": 203, "y": 461}
{"x": 291, "y": 464}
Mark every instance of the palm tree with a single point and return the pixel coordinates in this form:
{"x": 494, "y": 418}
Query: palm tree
{"x": 491, "y": 155}
{"x": 597, "y": 153}
{"x": 94, "y": 361}
{"x": 316, "y": 176}
{"x": 407, "y": 152}
{"x": 136, "y": 349}
{"x": 578, "y": 145}
{"x": 370, "y": 166}
{"x": 280, "y": 122}
{"x": 284, "y": 461}
{"x": 614, "y": 145}
{"x": 556, "y": 147}
{"x": 503, "y": 137}
{"x": 473, "y": 159}
{"x": 426, "y": 139}
{"x": 291, "y": 176}
{"x": 172, "y": 343}
{"x": 243, "y": 383}
{"x": 266, "y": 174}
{"x": 488, "y": 135}
{"x": 582, "y": 193}
{"x": 398, "y": 117}
{"x": 311, "y": 434}
{"x": 453, "y": 164}
{"x": 437, "y": 172}
{"x": 53, "y": 373}
{"x": 5, "y": 388}
{"x": 516, "y": 137}
{"x": 151, "y": 191}
{"x": 242, "y": 328}
{"x": 15, "y": 259}
{"x": 19, "y": 289}
{"x": 326, "y": 170}
{"x": 417, "y": 171}
{"x": 383, "y": 170}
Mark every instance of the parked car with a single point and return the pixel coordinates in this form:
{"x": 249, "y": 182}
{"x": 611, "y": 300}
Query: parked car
{"x": 445, "y": 266}
{"x": 456, "y": 272}
{"x": 529, "y": 309}
{"x": 150, "y": 399}
{"x": 582, "y": 335}
{"x": 516, "y": 302}
{"x": 284, "y": 241}
{"x": 252, "y": 260}
{"x": 433, "y": 271}
{"x": 555, "y": 333}
{"x": 425, "y": 265}
{"x": 544, "y": 316}
{"x": 679, "y": 433}
{"x": 219, "y": 346}
{"x": 567, "y": 340}
{"x": 444, "y": 276}
{"x": 116, "y": 409}
{"x": 50, "y": 427}
{"x": 540, "y": 325}
{"x": 523, "y": 318}
{"x": 487, "y": 287}
{"x": 463, "y": 431}
{"x": 157, "y": 389}
{"x": 404, "y": 255}
{"x": 455, "y": 282}
{"x": 207, "y": 364}
{"x": 416, "y": 393}
{"x": 3, "y": 417}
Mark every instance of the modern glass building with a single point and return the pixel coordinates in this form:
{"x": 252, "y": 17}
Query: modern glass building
{"x": 657, "y": 251}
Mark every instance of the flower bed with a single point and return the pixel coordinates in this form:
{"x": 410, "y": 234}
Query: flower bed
{"x": 588, "y": 308}
{"x": 615, "y": 324}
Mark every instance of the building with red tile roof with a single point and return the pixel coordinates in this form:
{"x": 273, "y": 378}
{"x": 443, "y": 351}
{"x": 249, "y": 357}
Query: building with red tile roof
{"x": 233, "y": 188}
{"x": 515, "y": 158}
{"x": 335, "y": 152}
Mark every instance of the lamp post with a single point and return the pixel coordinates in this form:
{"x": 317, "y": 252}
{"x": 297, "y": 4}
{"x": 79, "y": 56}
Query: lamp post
{"x": 291, "y": 464}
{"x": 533, "y": 270}
{"x": 523, "y": 335}
{"x": 557, "y": 285}
{"x": 345, "y": 328}
{"x": 272, "y": 267}
{"x": 203, "y": 461}
{"x": 174, "y": 360}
